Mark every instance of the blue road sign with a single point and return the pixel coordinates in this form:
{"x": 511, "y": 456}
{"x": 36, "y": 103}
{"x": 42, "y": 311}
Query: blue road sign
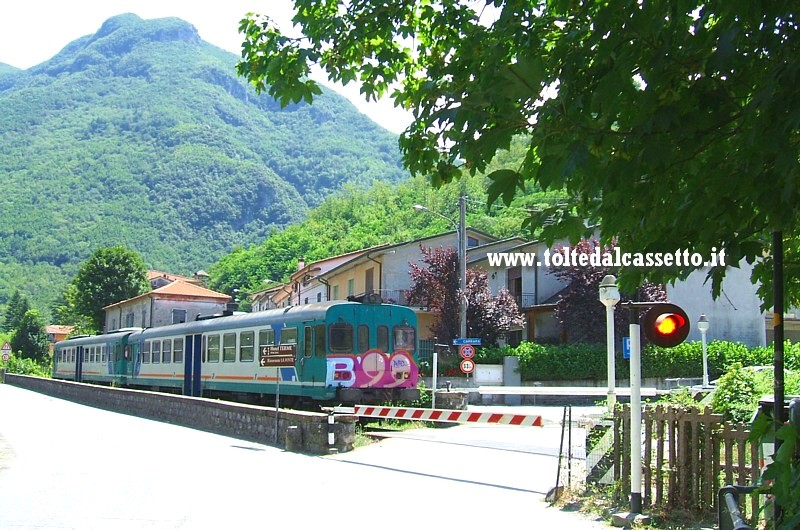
{"x": 626, "y": 347}
{"x": 466, "y": 341}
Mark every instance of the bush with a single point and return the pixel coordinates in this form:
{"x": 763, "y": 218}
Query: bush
{"x": 736, "y": 395}
{"x": 741, "y": 387}
{"x": 545, "y": 362}
{"x": 25, "y": 366}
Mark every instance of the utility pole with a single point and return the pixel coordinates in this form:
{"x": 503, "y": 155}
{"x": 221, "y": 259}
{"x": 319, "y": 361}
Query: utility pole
{"x": 462, "y": 261}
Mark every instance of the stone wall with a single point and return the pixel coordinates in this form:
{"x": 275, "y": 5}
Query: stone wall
{"x": 247, "y": 422}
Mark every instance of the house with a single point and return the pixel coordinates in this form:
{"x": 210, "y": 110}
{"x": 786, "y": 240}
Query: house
{"x": 172, "y": 303}
{"x": 382, "y": 270}
{"x": 56, "y": 333}
{"x": 160, "y": 279}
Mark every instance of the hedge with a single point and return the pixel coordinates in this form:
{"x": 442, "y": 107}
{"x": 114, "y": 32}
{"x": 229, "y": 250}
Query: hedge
{"x": 545, "y": 362}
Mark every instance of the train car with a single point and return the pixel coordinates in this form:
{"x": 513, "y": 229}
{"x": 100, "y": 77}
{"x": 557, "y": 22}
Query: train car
{"x": 344, "y": 352}
{"x": 92, "y": 358}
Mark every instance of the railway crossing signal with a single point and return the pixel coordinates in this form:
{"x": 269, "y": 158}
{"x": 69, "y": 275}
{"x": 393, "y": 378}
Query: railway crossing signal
{"x": 666, "y": 325}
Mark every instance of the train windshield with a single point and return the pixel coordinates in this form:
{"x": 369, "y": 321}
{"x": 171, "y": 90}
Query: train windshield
{"x": 405, "y": 338}
{"x": 341, "y": 337}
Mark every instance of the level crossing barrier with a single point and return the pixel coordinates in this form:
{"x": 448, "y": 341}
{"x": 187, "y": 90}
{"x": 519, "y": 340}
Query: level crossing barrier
{"x": 447, "y": 415}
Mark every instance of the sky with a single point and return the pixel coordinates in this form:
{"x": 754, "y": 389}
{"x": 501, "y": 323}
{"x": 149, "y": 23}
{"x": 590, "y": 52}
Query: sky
{"x": 32, "y": 31}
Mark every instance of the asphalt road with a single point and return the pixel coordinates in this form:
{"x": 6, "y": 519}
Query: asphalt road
{"x": 68, "y": 466}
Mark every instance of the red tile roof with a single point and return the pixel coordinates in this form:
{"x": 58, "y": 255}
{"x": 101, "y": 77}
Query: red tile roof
{"x": 180, "y": 288}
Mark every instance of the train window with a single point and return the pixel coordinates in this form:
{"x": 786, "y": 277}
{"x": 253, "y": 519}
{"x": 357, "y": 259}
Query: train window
{"x": 405, "y": 338}
{"x": 383, "y": 338}
{"x": 308, "y": 338}
{"x": 363, "y": 338}
{"x": 166, "y": 351}
{"x": 246, "y": 347}
{"x": 212, "y": 347}
{"x": 103, "y": 353}
{"x": 341, "y": 337}
{"x": 289, "y": 336}
{"x": 156, "y": 351}
{"x": 319, "y": 340}
{"x": 266, "y": 337}
{"x": 177, "y": 350}
{"x": 229, "y": 347}
{"x": 146, "y": 352}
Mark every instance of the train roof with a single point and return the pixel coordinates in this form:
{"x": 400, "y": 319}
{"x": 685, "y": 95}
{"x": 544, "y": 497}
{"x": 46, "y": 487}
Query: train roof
{"x": 302, "y": 313}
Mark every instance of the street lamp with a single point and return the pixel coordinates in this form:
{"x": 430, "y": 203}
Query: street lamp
{"x": 703, "y": 325}
{"x": 462, "y": 256}
{"x": 609, "y": 296}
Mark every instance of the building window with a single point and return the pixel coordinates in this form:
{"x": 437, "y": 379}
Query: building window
{"x": 351, "y": 287}
{"x": 178, "y": 316}
{"x": 319, "y": 297}
{"x": 472, "y": 242}
{"x": 129, "y": 320}
{"x": 144, "y": 318}
{"x": 335, "y": 292}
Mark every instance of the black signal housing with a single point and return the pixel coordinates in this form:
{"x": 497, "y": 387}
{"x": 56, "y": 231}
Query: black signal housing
{"x": 666, "y": 325}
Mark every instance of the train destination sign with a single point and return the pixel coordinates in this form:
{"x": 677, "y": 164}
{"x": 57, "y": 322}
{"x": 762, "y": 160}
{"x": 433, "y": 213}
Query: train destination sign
{"x": 280, "y": 355}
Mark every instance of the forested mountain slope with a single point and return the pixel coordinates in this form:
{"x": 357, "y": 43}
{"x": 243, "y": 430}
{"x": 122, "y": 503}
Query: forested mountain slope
{"x": 142, "y": 135}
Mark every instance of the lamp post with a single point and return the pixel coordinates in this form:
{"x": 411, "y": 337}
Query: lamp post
{"x": 703, "y": 325}
{"x": 609, "y": 296}
{"x": 461, "y": 230}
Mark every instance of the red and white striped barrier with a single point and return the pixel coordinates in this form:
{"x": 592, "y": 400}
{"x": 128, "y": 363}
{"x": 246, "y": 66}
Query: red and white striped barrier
{"x": 454, "y": 416}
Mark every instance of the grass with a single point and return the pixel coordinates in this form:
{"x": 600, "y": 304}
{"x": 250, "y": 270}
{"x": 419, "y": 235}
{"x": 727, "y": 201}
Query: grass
{"x": 599, "y": 501}
{"x": 364, "y": 439}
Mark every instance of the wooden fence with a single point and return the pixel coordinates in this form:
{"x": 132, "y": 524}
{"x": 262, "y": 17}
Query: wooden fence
{"x": 688, "y": 454}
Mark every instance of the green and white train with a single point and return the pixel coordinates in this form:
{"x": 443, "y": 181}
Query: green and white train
{"x": 343, "y": 352}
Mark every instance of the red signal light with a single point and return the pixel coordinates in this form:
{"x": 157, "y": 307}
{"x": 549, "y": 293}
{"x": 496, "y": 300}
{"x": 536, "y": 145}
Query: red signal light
{"x": 666, "y": 325}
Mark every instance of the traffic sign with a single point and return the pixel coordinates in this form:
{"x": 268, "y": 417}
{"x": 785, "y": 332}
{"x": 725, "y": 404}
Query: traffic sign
{"x": 6, "y": 351}
{"x": 626, "y": 347}
{"x": 466, "y": 351}
{"x": 6, "y": 357}
{"x": 471, "y": 341}
{"x": 467, "y": 366}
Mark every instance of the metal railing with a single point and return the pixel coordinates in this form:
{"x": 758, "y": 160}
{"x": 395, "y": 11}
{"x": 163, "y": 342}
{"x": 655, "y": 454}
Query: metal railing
{"x": 728, "y": 515}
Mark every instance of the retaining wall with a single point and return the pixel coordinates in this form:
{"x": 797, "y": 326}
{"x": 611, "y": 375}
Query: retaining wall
{"x": 246, "y": 422}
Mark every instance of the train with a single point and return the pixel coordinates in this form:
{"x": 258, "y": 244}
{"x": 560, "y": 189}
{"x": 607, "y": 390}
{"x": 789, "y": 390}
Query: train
{"x": 341, "y": 352}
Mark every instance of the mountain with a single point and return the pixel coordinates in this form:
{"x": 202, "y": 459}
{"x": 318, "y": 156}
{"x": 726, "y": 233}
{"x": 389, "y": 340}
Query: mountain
{"x": 143, "y": 135}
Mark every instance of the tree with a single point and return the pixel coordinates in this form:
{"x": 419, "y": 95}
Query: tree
{"x": 30, "y": 338}
{"x": 672, "y": 124}
{"x": 17, "y": 306}
{"x": 578, "y": 310}
{"x": 110, "y": 275}
{"x": 436, "y": 286}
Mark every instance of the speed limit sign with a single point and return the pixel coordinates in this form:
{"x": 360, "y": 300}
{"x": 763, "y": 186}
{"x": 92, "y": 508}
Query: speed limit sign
{"x": 467, "y": 366}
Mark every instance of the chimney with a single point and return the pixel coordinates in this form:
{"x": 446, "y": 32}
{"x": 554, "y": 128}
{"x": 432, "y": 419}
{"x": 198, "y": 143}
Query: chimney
{"x": 301, "y": 264}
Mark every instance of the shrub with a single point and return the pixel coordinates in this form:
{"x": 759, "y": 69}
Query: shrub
{"x": 25, "y": 366}
{"x": 542, "y": 362}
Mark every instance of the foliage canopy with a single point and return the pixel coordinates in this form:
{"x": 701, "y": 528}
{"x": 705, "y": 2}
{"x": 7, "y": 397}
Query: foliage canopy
{"x": 673, "y": 124}
{"x": 110, "y": 275}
